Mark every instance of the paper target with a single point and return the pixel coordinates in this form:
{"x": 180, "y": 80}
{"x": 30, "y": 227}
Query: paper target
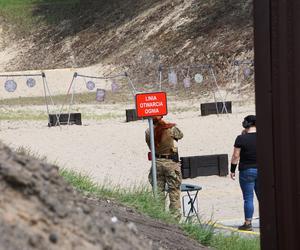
{"x": 30, "y": 82}
{"x": 100, "y": 95}
{"x": 247, "y": 72}
{"x": 187, "y": 82}
{"x": 90, "y": 85}
{"x": 172, "y": 77}
{"x": 198, "y": 78}
{"x": 10, "y": 85}
{"x": 114, "y": 86}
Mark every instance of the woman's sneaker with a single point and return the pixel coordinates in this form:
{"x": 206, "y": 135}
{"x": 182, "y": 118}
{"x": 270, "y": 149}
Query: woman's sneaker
{"x": 245, "y": 227}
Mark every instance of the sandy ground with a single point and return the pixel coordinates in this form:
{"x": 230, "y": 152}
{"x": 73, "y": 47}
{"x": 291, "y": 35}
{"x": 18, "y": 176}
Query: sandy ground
{"x": 114, "y": 152}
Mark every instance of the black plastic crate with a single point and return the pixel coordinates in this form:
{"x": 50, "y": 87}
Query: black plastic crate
{"x": 194, "y": 166}
{"x": 215, "y": 108}
{"x": 186, "y": 173}
{"x": 185, "y": 167}
{"x": 131, "y": 115}
{"x": 204, "y": 166}
{"x": 75, "y": 118}
{"x": 185, "y": 162}
{"x": 223, "y": 165}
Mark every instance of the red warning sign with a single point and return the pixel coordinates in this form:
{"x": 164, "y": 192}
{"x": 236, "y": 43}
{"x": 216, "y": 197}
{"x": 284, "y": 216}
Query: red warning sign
{"x": 151, "y": 104}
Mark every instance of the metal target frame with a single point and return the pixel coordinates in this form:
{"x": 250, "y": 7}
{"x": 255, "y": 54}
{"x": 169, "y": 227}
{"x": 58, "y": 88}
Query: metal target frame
{"x": 214, "y": 84}
{"x": 47, "y": 93}
{"x": 237, "y": 66}
{"x": 72, "y": 89}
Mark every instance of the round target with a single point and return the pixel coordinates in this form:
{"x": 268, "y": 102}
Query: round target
{"x": 187, "y": 82}
{"x": 90, "y": 85}
{"x": 30, "y": 82}
{"x": 114, "y": 86}
{"x": 10, "y": 85}
{"x": 100, "y": 95}
{"x": 247, "y": 72}
{"x": 198, "y": 78}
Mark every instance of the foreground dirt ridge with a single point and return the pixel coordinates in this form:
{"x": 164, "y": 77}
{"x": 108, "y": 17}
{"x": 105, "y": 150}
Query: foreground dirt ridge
{"x": 39, "y": 210}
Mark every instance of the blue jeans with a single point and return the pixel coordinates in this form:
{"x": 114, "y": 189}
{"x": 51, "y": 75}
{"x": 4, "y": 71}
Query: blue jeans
{"x": 248, "y": 183}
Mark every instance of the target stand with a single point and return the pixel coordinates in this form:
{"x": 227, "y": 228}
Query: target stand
{"x": 11, "y": 85}
{"x": 195, "y": 73}
{"x": 247, "y": 68}
{"x": 68, "y": 118}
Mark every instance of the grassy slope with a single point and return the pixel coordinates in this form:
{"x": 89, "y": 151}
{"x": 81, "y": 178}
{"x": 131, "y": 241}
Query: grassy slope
{"x": 19, "y": 13}
{"x": 141, "y": 198}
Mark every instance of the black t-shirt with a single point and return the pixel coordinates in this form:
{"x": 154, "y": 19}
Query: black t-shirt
{"x": 247, "y": 144}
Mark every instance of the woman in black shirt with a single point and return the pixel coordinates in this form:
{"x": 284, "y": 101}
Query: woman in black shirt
{"x": 245, "y": 154}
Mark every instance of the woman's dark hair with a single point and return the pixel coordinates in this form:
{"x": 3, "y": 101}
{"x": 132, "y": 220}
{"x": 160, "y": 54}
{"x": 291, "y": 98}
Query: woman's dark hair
{"x": 249, "y": 121}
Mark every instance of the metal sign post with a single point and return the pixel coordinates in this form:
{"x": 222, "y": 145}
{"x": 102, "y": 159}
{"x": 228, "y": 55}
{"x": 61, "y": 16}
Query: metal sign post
{"x": 152, "y": 146}
{"x": 149, "y": 105}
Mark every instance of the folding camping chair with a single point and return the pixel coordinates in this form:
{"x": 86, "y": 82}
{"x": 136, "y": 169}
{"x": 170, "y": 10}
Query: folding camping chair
{"x": 192, "y": 201}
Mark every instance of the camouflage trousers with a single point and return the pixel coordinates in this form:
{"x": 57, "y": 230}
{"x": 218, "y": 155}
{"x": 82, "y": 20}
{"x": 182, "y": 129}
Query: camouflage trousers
{"x": 168, "y": 179}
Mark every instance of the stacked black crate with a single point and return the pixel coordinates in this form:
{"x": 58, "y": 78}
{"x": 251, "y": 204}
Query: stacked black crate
{"x": 185, "y": 167}
{"x": 209, "y": 165}
{"x": 131, "y": 115}
{"x": 203, "y": 166}
{"x": 215, "y": 108}
{"x": 64, "y": 119}
{"x": 223, "y": 165}
{"x": 206, "y": 165}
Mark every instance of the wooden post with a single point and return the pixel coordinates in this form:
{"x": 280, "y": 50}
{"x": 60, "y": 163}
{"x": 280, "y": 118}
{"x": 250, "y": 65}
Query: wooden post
{"x": 277, "y": 82}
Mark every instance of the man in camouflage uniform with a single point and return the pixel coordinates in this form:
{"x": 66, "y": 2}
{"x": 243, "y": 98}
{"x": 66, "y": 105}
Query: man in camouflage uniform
{"x": 168, "y": 167}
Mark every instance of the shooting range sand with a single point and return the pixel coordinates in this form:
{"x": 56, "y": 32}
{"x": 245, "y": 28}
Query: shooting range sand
{"x": 114, "y": 152}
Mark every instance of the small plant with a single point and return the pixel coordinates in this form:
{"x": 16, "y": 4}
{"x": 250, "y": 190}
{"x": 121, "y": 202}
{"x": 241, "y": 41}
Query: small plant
{"x": 28, "y": 152}
{"x": 203, "y": 232}
{"x": 235, "y": 242}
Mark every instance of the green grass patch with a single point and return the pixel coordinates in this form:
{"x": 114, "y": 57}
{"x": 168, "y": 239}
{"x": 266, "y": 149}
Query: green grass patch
{"x": 101, "y": 117}
{"x": 141, "y": 198}
{"x": 235, "y": 242}
{"x": 18, "y": 12}
{"x": 26, "y": 13}
{"x": 21, "y": 115}
{"x": 24, "y": 115}
{"x": 177, "y": 110}
{"x": 79, "y": 98}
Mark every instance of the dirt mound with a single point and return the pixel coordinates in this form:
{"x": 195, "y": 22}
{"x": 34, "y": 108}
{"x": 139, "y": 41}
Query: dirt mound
{"x": 39, "y": 210}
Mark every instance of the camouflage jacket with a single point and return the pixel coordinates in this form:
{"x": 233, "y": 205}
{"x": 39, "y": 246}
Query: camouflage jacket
{"x": 166, "y": 145}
